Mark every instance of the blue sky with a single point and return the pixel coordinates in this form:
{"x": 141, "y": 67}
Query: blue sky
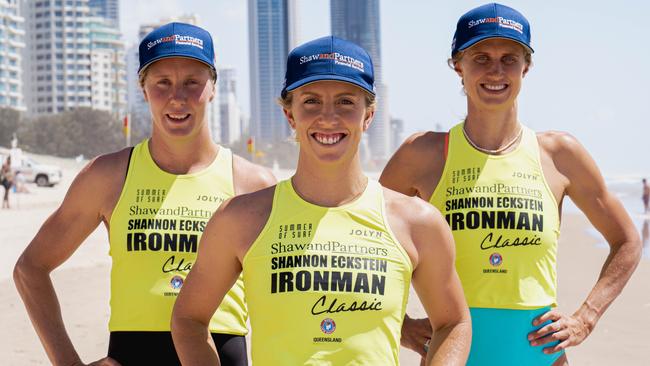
{"x": 590, "y": 75}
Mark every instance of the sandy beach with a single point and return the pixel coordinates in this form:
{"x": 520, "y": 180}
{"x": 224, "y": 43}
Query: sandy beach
{"x": 621, "y": 336}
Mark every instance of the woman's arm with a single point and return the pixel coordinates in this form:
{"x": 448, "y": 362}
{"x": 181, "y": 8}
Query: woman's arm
{"x": 59, "y": 237}
{"x": 586, "y": 187}
{"x": 427, "y": 238}
{"x": 218, "y": 264}
{"x": 414, "y": 170}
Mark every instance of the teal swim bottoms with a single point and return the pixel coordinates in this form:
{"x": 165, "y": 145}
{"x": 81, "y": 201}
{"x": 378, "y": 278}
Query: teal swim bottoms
{"x": 500, "y": 337}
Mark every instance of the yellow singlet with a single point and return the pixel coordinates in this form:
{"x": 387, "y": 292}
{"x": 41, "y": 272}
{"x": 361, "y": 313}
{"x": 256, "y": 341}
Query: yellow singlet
{"x": 505, "y": 223}
{"x": 326, "y": 286}
{"x": 154, "y": 234}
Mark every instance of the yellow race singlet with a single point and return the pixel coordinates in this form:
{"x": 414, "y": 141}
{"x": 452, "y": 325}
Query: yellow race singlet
{"x": 326, "y": 286}
{"x": 505, "y": 223}
{"x": 154, "y": 234}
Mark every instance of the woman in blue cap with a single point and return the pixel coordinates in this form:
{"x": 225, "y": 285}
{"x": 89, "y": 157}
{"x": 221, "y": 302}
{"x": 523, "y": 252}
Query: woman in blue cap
{"x": 500, "y": 186}
{"x": 327, "y": 256}
{"x": 154, "y": 199}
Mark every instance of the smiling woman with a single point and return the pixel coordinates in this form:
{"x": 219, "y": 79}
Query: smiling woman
{"x": 155, "y": 200}
{"x": 500, "y": 186}
{"x": 327, "y": 256}
{"x": 178, "y": 91}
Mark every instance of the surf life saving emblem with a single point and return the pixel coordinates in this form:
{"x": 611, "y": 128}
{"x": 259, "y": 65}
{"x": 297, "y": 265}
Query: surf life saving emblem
{"x": 328, "y": 326}
{"x": 176, "y": 282}
{"x": 496, "y": 259}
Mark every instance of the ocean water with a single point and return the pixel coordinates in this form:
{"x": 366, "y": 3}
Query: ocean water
{"x": 628, "y": 190}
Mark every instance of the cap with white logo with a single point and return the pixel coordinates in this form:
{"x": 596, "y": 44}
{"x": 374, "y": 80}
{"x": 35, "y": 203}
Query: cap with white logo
{"x": 490, "y": 21}
{"x": 177, "y": 40}
{"x": 329, "y": 58}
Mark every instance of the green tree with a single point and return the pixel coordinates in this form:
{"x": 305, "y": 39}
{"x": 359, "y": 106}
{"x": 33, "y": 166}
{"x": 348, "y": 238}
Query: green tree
{"x": 80, "y": 131}
{"x": 9, "y": 124}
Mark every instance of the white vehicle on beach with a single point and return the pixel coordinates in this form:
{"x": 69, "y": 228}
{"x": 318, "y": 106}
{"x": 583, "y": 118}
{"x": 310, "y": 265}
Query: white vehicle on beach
{"x": 41, "y": 174}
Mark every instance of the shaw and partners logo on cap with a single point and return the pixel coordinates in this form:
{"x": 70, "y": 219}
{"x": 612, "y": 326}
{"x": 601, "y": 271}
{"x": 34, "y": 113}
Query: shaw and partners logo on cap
{"x": 338, "y": 58}
{"x": 503, "y": 22}
{"x": 179, "y": 39}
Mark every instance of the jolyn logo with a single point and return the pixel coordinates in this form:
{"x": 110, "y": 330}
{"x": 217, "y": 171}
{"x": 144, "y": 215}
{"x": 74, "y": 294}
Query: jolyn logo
{"x": 328, "y": 326}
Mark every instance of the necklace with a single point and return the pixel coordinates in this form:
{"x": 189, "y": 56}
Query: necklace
{"x": 495, "y": 151}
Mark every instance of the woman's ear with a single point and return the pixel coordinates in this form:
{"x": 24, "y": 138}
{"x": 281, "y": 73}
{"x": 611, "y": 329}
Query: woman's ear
{"x": 370, "y": 114}
{"x": 458, "y": 69}
{"x": 144, "y": 94}
{"x": 289, "y": 114}
{"x": 213, "y": 92}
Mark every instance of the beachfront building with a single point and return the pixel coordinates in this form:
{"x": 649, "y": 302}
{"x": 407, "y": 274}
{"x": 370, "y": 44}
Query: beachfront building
{"x": 358, "y": 22}
{"x": 58, "y": 56}
{"x": 108, "y": 67}
{"x": 107, "y": 9}
{"x": 396, "y": 133}
{"x": 12, "y": 44}
{"x": 71, "y": 59}
{"x": 230, "y": 114}
{"x": 271, "y": 36}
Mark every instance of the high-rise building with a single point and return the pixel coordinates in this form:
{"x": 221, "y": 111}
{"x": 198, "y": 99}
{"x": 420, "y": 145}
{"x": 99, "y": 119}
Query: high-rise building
{"x": 358, "y": 21}
{"x": 66, "y": 48}
{"x": 396, "y": 133}
{"x": 107, "y": 9}
{"x": 108, "y": 67}
{"x": 58, "y": 56}
{"x": 230, "y": 116}
{"x": 270, "y": 40}
{"x": 12, "y": 45}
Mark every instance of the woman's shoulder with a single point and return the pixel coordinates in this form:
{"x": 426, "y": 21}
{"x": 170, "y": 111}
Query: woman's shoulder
{"x": 248, "y": 207}
{"x": 107, "y": 169}
{"x": 242, "y": 218}
{"x": 417, "y": 163}
{"x": 410, "y": 210}
{"x": 568, "y": 156}
{"x": 558, "y": 142}
{"x": 250, "y": 177}
{"x": 424, "y": 142}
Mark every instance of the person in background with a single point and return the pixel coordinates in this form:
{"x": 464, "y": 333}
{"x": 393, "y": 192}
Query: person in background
{"x": 7, "y": 180}
{"x": 645, "y": 195}
{"x": 20, "y": 183}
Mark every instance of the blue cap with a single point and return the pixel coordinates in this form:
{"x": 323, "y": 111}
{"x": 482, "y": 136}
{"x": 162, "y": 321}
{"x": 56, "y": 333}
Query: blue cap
{"x": 490, "y": 21}
{"x": 177, "y": 40}
{"x": 329, "y": 58}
